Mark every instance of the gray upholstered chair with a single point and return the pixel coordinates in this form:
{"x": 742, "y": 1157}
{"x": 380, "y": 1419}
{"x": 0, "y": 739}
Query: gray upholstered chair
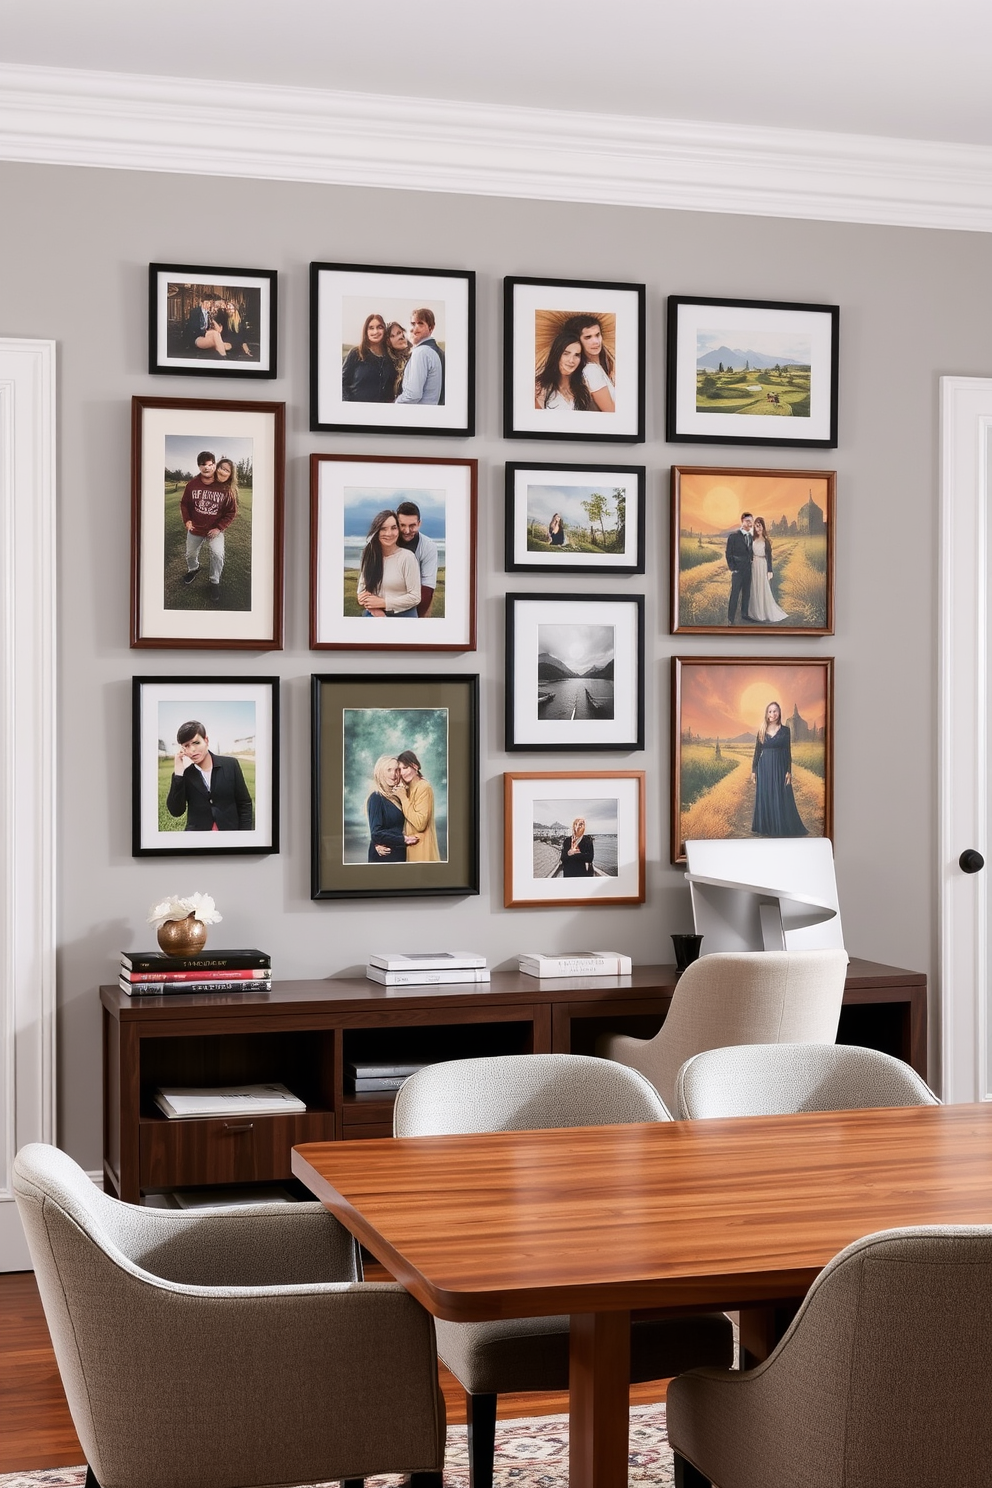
{"x": 527, "y": 1092}
{"x": 748, "y": 997}
{"x": 235, "y": 1348}
{"x": 778, "y": 1079}
{"x": 882, "y": 1381}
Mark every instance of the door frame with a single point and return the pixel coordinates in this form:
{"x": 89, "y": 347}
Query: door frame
{"x": 27, "y": 772}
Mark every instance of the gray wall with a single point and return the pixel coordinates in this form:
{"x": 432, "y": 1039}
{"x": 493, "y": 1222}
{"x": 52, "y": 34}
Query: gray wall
{"x": 74, "y": 255}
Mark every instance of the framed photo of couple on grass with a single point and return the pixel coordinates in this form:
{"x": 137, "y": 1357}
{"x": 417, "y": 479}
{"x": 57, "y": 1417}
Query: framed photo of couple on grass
{"x": 752, "y": 749}
{"x": 392, "y": 350}
{"x": 392, "y": 540}
{"x": 754, "y": 550}
{"x": 573, "y": 360}
{"x": 395, "y": 781}
{"x": 573, "y": 838}
{"x": 207, "y": 524}
{"x": 575, "y": 519}
{"x": 752, "y": 372}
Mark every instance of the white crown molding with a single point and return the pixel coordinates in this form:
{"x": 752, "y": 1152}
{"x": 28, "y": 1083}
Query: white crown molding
{"x": 60, "y": 116}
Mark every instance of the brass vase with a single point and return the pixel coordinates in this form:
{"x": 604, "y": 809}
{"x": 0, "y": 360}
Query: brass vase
{"x": 182, "y": 937}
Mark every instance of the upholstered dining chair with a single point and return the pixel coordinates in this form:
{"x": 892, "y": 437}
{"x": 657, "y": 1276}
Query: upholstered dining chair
{"x": 779, "y": 1079}
{"x": 882, "y": 1381}
{"x": 527, "y": 1092}
{"x": 747, "y": 997}
{"x": 235, "y": 1348}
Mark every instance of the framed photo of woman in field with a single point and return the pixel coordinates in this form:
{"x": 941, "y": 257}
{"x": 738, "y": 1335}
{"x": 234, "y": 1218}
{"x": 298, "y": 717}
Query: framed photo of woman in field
{"x": 573, "y": 838}
{"x": 575, "y": 519}
{"x": 207, "y": 524}
{"x": 752, "y": 549}
{"x": 573, "y": 360}
{"x": 752, "y": 749}
{"x": 752, "y": 372}
{"x": 392, "y": 539}
{"x": 205, "y": 772}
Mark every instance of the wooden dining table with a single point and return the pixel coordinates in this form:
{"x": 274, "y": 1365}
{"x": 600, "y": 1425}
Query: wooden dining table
{"x": 686, "y": 1216}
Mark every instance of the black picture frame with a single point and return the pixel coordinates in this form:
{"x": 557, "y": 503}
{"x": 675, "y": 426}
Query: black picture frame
{"x": 175, "y": 293}
{"x": 356, "y": 721}
{"x": 794, "y": 380}
{"x": 535, "y": 311}
{"x": 241, "y": 718}
{"x": 343, "y": 298}
{"x": 600, "y": 679}
{"x": 527, "y": 502}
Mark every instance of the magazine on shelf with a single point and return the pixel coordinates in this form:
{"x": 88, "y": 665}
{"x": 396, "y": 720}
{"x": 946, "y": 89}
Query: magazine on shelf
{"x": 575, "y": 963}
{"x": 233, "y": 960}
{"x": 426, "y": 978}
{"x": 427, "y": 960}
{"x": 230, "y": 1100}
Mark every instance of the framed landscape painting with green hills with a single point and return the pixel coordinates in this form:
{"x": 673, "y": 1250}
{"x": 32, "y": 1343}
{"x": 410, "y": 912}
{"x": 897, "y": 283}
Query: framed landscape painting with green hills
{"x": 752, "y": 372}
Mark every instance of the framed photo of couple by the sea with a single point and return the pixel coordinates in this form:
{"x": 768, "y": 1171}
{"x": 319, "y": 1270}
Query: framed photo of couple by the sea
{"x": 573, "y": 360}
{"x": 210, "y": 322}
{"x": 752, "y": 749}
{"x": 575, "y": 672}
{"x": 395, "y": 786}
{"x": 752, "y": 550}
{"x": 758, "y": 372}
{"x": 573, "y": 838}
{"x": 392, "y": 539}
{"x": 207, "y": 524}
{"x": 575, "y": 519}
{"x": 392, "y": 351}
{"x": 205, "y": 766}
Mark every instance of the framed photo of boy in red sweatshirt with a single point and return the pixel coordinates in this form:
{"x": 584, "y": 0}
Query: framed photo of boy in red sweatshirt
{"x": 207, "y": 524}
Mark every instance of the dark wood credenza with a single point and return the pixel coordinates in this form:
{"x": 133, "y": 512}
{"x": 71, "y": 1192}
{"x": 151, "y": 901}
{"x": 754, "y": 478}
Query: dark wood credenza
{"x": 302, "y": 1033}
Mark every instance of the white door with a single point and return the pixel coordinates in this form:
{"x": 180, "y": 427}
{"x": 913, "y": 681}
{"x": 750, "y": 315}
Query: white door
{"x": 27, "y": 792}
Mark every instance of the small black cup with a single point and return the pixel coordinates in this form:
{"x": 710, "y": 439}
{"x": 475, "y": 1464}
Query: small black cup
{"x": 686, "y": 950}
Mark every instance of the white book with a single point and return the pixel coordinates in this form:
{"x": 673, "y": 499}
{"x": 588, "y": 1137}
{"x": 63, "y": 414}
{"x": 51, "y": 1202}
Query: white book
{"x": 233, "y": 1100}
{"x": 427, "y": 960}
{"x": 577, "y": 963}
{"x": 425, "y": 977}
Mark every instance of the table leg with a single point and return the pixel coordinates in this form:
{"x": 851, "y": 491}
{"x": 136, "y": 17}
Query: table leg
{"x": 599, "y": 1400}
{"x": 762, "y": 1328}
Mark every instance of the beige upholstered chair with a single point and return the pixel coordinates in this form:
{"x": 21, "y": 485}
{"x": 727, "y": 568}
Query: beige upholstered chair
{"x": 749, "y": 997}
{"x": 235, "y": 1349}
{"x": 777, "y": 1079}
{"x": 527, "y": 1092}
{"x": 882, "y": 1381}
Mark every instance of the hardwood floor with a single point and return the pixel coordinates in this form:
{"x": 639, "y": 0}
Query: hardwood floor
{"x": 36, "y": 1427}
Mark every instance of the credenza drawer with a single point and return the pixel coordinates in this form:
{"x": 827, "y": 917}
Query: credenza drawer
{"x": 250, "y": 1149}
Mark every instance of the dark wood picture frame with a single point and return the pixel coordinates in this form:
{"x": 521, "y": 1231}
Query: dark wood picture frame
{"x": 714, "y": 739}
{"x": 801, "y": 546}
{"x": 535, "y": 312}
{"x": 786, "y": 404}
{"x": 167, "y": 612}
{"x": 450, "y": 624}
{"x": 544, "y": 693}
{"x": 575, "y": 490}
{"x": 527, "y": 849}
{"x": 434, "y": 715}
{"x": 343, "y": 297}
{"x": 241, "y": 718}
{"x": 245, "y": 349}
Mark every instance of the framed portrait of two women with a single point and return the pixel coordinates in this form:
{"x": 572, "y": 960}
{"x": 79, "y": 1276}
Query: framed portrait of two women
{"x": 395, "y": 785}
{"x": 752, "y": 749}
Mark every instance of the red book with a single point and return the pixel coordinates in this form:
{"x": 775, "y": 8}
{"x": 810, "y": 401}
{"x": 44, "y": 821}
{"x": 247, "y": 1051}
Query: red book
{"x": 208, "y": 974}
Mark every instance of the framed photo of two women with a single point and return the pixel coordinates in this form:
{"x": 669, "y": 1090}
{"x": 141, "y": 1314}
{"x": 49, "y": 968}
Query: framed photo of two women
{"x": 752, "y": 749}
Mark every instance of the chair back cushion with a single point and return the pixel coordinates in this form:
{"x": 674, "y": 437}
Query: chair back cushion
{"x": 778, "y": 1079}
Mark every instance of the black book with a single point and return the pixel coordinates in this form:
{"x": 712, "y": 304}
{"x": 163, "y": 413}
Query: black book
{"x": 189, "y": 989}
{"x": 145, "y": 961}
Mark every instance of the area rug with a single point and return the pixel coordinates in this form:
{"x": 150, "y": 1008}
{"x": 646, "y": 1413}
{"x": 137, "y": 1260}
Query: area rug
{"x": 530, "y": 1453}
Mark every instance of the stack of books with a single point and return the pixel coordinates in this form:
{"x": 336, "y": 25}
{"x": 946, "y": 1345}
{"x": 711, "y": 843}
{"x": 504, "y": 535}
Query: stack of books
{"x": 366, "y": 1074}
{"x": 426, "y": 968}
{"x": 150, "y": 974}
{"x": 575, "y": 964}
{"x": 232, "y": 1100}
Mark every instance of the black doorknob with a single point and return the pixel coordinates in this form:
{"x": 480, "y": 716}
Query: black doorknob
{"x": 971, "y": 861}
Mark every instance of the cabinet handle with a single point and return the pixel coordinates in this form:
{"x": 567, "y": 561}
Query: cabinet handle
{"x": 971, "y": 861}
{"x": 245, "y": 1126}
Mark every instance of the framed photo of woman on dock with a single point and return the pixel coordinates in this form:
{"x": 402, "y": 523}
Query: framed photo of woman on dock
{"x": 752, "y": 749}
{"x": 573, "y": 837}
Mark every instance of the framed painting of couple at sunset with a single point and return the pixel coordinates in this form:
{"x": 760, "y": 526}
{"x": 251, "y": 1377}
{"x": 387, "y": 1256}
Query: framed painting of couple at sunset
{"x": 752, "y": 749}
{"x": 573, "y": 360}
{"x": 752, "y": 549}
